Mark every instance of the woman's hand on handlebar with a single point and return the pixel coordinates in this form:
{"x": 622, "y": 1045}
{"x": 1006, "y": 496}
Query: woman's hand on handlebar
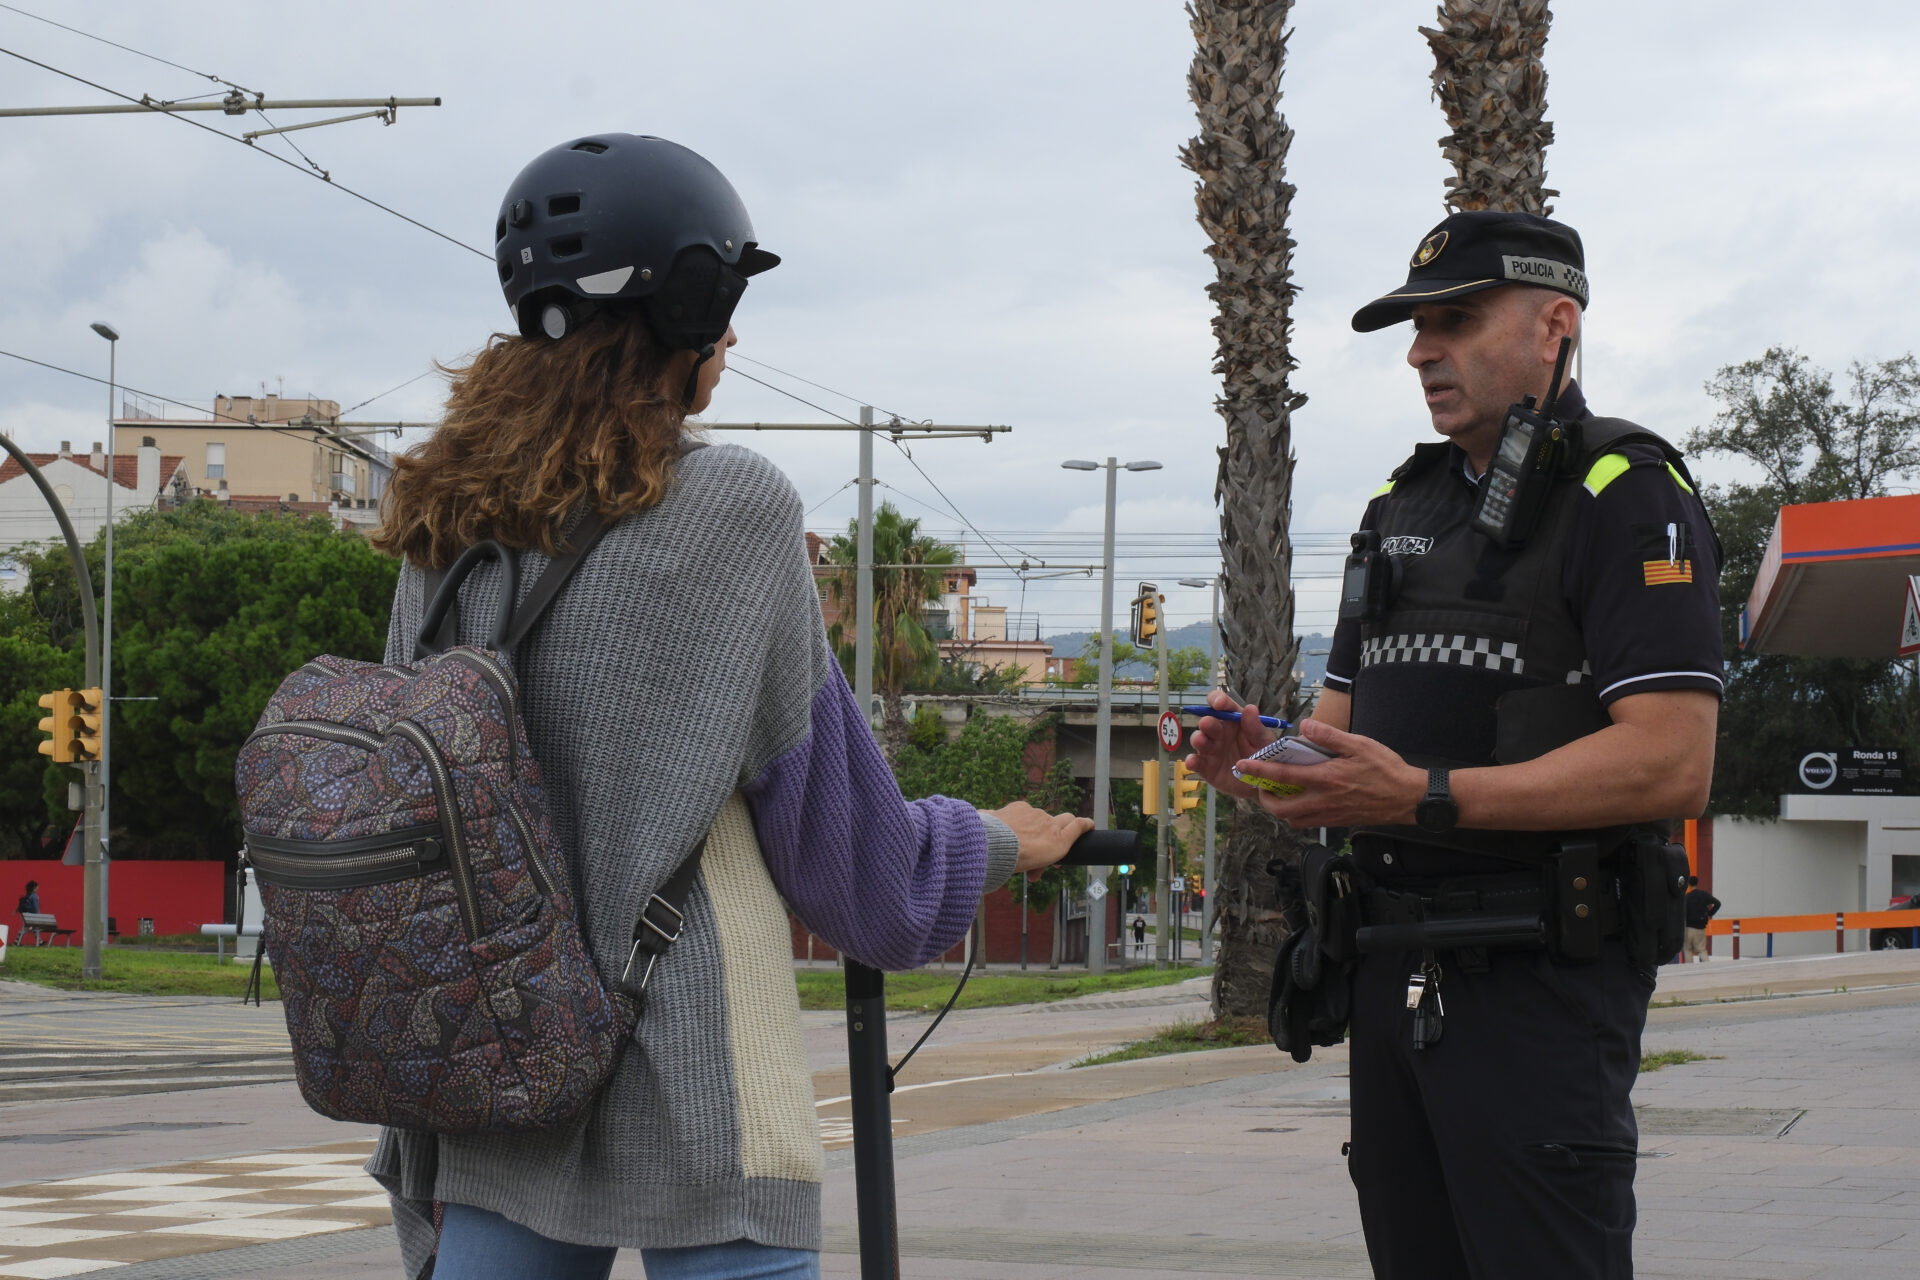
{"x": 1044, "y": 837}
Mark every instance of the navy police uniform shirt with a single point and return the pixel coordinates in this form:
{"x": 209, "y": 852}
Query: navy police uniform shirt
{"x": 1650, "y": 624}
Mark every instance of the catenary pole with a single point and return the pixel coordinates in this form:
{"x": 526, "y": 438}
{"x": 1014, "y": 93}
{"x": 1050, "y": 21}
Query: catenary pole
{"x": 863, "y": 573}
{"x": 91, "y": 915}
{"x": 1162, "y": 861}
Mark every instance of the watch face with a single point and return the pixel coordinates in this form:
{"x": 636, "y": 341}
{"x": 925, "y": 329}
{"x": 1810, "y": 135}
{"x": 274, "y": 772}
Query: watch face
{"x": 1436, "y": 813}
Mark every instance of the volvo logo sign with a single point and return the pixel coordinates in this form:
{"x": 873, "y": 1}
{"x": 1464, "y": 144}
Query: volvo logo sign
{"x": 1818, "y": 769}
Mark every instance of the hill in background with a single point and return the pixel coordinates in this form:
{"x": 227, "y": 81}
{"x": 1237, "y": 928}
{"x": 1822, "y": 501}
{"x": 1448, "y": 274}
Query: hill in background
{"x": 1196, "y": 635}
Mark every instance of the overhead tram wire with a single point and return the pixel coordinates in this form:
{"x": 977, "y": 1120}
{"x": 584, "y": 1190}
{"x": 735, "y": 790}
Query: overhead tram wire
{"x": 960, "y": 515}
{"x": 127, "y": 48}
{"x": 217, "y": 416}
{"x": 317, "y": 176}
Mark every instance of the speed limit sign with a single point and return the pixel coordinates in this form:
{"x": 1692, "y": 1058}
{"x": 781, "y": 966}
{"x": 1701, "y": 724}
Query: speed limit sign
{"x": 1170, "y": 730}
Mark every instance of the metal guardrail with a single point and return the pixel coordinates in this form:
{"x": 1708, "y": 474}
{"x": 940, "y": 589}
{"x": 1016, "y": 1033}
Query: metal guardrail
{"x": 1815, "y": 922}
{"x": 221, "y": 932}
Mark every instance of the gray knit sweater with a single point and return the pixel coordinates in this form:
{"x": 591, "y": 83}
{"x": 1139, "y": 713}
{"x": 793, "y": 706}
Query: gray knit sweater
{"x": 681, "y": 685}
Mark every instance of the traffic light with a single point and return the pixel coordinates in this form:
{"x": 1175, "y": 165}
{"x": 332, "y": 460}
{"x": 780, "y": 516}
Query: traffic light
{"x": 1146, "y": 614}
{"x": 1149, "y": 787}
{"x": 59, "y": 723}
{"x": 89, "y": 706}
{"x": 1187, "y": 787}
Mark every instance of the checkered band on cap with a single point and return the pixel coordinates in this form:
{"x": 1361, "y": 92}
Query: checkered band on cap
{"x": 1463, "y": 650}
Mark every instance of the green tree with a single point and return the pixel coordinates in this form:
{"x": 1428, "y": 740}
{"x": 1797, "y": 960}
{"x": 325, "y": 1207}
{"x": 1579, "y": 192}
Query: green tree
{"x": 33, "y": 811}
{"x": 1809, "y": 443}
{"x": 212, "y": 609}
{"x": 908, "y": 574}
{"x": 1186, "y": 666}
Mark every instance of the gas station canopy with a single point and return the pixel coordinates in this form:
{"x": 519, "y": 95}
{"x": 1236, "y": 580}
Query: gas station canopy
{"x": 1833, "y": 583}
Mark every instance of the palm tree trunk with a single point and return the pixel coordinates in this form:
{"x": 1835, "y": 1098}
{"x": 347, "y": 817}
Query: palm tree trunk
{"x": 1243, "y": 198}
{"x": 1492, "y": 85}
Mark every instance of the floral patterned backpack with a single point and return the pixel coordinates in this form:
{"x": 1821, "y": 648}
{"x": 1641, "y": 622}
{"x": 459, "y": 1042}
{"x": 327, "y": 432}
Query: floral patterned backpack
{"x": 419, "y": 911}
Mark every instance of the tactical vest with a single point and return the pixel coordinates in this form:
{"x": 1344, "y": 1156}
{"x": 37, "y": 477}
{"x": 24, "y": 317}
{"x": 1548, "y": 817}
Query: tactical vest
{"x": 1478, "y": 659}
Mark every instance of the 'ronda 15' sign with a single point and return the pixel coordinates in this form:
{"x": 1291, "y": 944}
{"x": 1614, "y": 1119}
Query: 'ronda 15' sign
{"x": 1852, "y": 772}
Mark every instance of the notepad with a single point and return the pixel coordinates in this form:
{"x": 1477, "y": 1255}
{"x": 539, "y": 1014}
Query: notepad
{"x": 1284, "y": 751}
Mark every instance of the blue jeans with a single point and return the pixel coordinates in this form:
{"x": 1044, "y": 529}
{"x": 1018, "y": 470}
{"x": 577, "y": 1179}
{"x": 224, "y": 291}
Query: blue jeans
{"x": 476, "y": 1244}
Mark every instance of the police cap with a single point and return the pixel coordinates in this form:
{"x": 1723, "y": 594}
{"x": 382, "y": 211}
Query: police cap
{"x": 1483, "y": 249}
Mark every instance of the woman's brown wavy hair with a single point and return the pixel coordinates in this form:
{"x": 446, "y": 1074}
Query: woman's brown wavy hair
{"x": 533, "y": 429}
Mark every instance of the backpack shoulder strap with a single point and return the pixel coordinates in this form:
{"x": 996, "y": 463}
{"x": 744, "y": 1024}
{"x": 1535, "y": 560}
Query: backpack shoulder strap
{"x": 658, "y": 926}
{"x": 585, "y": 534}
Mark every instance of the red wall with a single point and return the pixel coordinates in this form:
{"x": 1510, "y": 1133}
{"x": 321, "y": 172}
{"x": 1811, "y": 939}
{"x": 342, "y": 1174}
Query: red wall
{"x": 1003, "y": 935}
{"x": 180, "y": 896}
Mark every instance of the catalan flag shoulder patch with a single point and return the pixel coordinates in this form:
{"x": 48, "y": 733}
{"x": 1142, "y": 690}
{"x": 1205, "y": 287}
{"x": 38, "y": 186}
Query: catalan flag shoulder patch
{"x": 1661, "y": 572}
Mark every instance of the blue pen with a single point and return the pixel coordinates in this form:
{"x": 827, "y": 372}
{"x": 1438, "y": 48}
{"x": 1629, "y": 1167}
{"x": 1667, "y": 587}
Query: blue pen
{"x": 1269, "y": 721}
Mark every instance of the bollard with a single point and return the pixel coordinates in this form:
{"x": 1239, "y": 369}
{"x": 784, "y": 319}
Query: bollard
{"x": 1736, "y": 939}
{"x": 1839, "y": 932}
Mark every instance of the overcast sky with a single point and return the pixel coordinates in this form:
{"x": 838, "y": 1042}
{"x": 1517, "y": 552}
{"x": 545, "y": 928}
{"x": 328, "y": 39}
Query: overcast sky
{"x": 982, "y": 216}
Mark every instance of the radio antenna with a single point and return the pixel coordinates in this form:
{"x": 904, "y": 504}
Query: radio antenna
{"x": 1553, "y": 388}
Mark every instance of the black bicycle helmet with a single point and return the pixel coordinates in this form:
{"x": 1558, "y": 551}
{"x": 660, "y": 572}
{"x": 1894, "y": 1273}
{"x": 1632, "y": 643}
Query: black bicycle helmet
{"x": 622, "y": 218}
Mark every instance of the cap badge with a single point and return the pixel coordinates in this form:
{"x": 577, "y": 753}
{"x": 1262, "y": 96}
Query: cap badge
{"x": 1430, "y": 248}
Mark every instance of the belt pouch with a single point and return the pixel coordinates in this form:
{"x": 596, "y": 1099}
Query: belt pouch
{"x": 1574, "y": 890}
{"x": 1653, "y": 899}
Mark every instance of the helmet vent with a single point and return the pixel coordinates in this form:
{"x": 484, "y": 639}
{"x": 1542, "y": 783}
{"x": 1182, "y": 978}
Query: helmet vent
{"x": 559, "y": 206}
{"x": 566, "y": 247}
{"x": 506, "y": 271}
{"x": 590, "y": 145}
{"x": 500, "y": 231}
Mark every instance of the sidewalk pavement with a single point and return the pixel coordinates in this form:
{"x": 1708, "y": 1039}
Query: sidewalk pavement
{"x": 1792, "y": 1151}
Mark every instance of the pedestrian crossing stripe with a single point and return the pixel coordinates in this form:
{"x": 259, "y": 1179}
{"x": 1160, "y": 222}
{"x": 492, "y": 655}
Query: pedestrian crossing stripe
{"x": 1661, "y": 572}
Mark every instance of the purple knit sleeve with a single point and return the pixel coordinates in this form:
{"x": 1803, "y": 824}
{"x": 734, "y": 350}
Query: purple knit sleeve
{"x": 891, "y": 882}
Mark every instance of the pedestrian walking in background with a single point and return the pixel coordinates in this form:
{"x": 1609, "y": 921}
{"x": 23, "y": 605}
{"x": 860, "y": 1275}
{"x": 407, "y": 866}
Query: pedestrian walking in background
{"x": 680, "y": 688}
{"x": 1140, "y": 935}
{"x": 1701, "y": 907}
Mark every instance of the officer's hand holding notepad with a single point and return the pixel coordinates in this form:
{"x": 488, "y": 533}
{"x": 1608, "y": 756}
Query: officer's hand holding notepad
{"x": 1288, "y": 751}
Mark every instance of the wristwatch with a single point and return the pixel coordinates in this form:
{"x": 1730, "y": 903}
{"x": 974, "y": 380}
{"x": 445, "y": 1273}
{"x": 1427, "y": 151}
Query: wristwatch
{"x": 1436, "y": 811}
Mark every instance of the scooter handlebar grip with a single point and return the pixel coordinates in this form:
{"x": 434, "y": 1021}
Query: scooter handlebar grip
{"x": 1103, "y": 849}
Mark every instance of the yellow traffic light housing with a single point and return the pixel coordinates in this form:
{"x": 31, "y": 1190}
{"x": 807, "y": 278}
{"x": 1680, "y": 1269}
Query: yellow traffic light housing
{"x": 1149, "y": 787}
{"x": 59, "y": 723}
{"x": 1146, "y": 615}
{"x": 1187, "y": 787}
{"x": 89, "y": 708}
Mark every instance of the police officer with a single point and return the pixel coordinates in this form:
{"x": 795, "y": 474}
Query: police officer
{"x": 1508, "y": 719}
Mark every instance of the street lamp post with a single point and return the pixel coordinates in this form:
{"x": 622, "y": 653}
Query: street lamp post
{"x": 1213, "y": 670}
{"x": 112, "y": 336}
{"x": 1103, "y": 718}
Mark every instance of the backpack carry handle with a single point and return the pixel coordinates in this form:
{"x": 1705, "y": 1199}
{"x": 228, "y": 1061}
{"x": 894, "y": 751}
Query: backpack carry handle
{"x": 434, "y": 636}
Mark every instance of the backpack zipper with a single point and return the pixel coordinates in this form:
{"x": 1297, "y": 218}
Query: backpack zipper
{"x": 489, "y": 670}
{"x": 442, "y": 787}
{"x": 450, "y": 815}
{"x": 315, "y": 864}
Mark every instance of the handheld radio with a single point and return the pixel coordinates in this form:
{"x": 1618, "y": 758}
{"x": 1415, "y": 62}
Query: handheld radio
{"x": 1370, "y": 580}
{"x": 1532, "y": 447}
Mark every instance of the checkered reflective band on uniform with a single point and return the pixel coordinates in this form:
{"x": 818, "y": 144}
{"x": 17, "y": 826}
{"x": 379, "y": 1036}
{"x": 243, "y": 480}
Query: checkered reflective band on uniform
{"x": 1584, "y": 674}
{"x": 1463, "y": 650}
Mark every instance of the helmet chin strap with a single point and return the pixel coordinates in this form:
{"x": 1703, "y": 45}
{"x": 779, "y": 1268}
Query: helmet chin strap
{"x": 693, "y": 377}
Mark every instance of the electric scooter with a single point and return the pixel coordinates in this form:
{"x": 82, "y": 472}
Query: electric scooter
{"x": 871, "y": 1077}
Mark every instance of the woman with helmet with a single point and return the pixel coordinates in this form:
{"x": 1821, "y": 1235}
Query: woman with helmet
{"x": 680, "y": 687}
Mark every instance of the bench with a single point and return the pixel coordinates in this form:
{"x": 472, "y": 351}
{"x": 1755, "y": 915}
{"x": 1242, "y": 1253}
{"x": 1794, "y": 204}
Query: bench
{"x": 43, "y": 924}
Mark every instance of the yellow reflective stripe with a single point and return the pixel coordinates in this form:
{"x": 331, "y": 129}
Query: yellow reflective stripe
{"x": 1383, "y": 489}
{"x": 1614, "y": 465}
{"x": 1606, "y": 471}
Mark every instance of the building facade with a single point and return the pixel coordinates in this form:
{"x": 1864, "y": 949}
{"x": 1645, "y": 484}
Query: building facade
{"x": 140, "y": 481}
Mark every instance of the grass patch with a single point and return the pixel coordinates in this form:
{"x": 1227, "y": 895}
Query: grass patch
{"x": 172, "y": 942}
{"x": 1187, "y": 1037}
{"x": 1671, "y": 1058}
{"x": 136, "y": 971}
{"x": 926, "y": 990}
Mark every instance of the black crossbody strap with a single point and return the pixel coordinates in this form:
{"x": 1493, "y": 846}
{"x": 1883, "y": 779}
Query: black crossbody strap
{"x": 659, "y": 926}
{"x": 509, "y": 631}
{"x": 592, "y": 525}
